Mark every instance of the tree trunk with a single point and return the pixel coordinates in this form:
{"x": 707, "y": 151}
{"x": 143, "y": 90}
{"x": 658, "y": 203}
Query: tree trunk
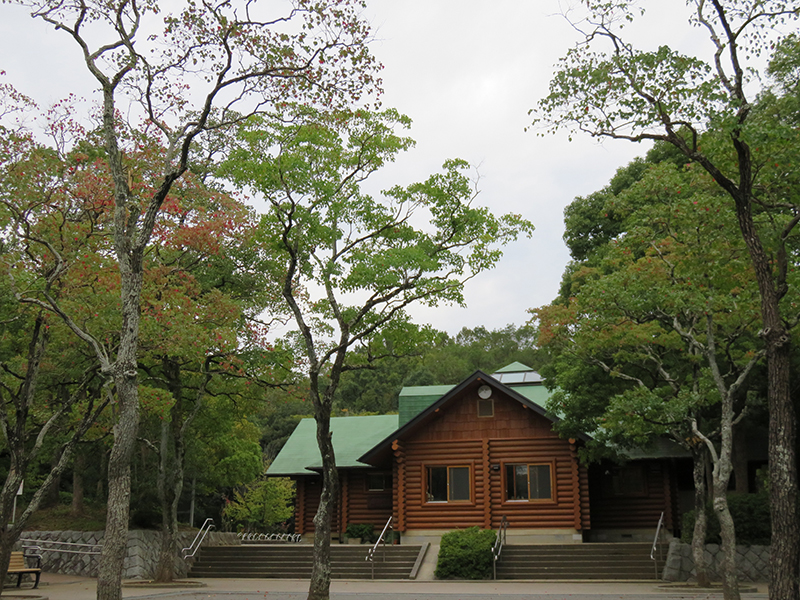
{"x": 54, "y": 496}
{"x": 115, "y": 542}
{"x": 170, "y": 484}
{"x": 170, "y": 471}
{"x": 740, "y": 475}
{"x": 99, "y": 490}
{"x": 7, "y": 540}
{"x": 730, "y": 581}
{"x": 8, "y": 533}
{"x": 319, "y": 586}
{"x": 77, "y": 484}
{"x": 700, "y": 521}
{"x": 784, "y": 577}
{"x": 785, "y": 550}
{"x": 191, "y": 502}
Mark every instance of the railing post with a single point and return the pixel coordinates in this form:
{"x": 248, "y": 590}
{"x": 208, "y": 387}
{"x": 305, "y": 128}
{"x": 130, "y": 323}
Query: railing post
{"x": 655, "y": 543}
{"x": 381, "y": 538}
{"x": 498, "y": 544}
{"x": 207, "y": 525}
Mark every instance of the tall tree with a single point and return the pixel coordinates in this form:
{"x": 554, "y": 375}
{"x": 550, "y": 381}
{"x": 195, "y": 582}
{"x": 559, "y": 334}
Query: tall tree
{"x": 203, "y": 305}
{"x": 349, "y": 264}
{"x": 621, "y": 92}
{"x": 232, "y": 56}
{"x": 666, "y": 321}
{"x": 49, "y": 389}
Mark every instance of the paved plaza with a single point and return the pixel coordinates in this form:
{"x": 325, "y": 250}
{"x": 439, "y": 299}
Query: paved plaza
{"x": 66, "y": 587}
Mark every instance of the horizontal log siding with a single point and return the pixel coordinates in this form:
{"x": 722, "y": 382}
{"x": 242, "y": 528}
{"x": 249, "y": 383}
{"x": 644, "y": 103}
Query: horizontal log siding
{"x": 420, "y": 514}
{"x": 353, "y": 507}
{"x": 311, "y": 488}
{"x": 514, "y": 434}
{"x": 558, "y": 513}
{"x": 633, "y": 511}
{"x": 359, "y": 501}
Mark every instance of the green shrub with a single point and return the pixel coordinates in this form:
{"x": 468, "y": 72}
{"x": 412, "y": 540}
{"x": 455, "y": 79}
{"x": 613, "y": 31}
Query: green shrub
{"x": 364, "y": 531}
{"x": 750, "y": 514}
{"x": 466, "y": 554}
{"x": 262, "y": 506}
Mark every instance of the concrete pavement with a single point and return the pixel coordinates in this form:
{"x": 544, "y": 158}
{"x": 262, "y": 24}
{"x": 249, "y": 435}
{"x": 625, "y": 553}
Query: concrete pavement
{"x": 66, "y": 587}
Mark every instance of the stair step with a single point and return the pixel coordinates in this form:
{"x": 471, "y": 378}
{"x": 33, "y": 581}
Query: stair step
{"x": 624, "y": 561}
{"x": 294, "y": 561}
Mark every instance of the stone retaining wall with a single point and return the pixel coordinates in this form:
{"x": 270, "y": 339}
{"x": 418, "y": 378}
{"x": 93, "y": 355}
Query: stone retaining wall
{"x": 752, "y": 562}
{"x": 141, "y": 558}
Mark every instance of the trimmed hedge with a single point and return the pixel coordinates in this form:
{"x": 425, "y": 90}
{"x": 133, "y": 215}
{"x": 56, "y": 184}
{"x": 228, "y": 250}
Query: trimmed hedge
{"x": 466, "y": 554}
{"x": 750, "y": 514}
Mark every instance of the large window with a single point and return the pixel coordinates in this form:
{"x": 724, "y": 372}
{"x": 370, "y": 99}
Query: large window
{"x": 529, "y": 482}
{"x": 448, "y": 484}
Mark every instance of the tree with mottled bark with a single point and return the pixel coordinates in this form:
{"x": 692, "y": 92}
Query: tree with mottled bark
{"x": 349, "y": 264}
{"x": 665, "y": 321}
{"x": 621, "y": 92}
{"x": 183, "y": 74}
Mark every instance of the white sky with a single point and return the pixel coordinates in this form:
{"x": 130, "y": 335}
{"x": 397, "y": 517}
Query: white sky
{"x": 466, "y": 72}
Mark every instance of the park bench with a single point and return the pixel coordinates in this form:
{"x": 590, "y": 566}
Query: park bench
{"x": 18, "y": 566}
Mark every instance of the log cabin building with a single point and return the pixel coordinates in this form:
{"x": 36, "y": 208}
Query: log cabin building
{"x": 470, "y": 454}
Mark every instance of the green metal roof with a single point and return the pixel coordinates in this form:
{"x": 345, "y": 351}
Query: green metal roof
{"x": 538, "y": 394}
{"x": 415, "y": 399}
{"x": 352, "y": 437}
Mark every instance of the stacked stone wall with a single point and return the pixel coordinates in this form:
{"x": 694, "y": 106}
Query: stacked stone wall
{"x": 752, "y": 562}
{"x": 140, "y": 561}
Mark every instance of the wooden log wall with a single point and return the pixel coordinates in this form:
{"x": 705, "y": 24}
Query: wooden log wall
{"x": 513, "y": 435}
{"x": 359, "y": 505}
{"x": 308, "y": 493}
{"x": 564, "y": 510}
{"x": 356, "y": 503}
{"x": 633, "y": 510}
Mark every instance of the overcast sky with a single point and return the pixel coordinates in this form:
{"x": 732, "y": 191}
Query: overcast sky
{"x": 466, "y": 72}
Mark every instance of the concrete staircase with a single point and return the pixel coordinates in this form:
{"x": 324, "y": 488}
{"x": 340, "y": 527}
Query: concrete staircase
{"x": 293, "y": 561}
{"x": 624, "y": 561}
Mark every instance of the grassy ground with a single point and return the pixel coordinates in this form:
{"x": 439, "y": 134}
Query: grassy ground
{"x": 59, "y": 518}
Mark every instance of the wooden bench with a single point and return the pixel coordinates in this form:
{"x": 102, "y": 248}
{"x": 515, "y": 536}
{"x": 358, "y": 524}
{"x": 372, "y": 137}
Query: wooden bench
{"x": 17, "y": 566}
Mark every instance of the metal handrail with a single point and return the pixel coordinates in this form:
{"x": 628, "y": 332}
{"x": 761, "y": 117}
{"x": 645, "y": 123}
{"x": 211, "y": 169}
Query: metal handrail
{"x": 201, "y": 535}
{"x": 655, "y": 543}
{"x": 498, "y": 544}
{"x": 40, "y": 545}
{"x": 381, "y": 538}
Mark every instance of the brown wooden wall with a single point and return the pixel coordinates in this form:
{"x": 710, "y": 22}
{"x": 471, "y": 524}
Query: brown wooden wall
{"x": 356, "y": 504}
{"x": 456, "y": 436}
{"x": 359, "y": 505}
{"x": 515, "y": 434}
{"x": 642, "y": 509}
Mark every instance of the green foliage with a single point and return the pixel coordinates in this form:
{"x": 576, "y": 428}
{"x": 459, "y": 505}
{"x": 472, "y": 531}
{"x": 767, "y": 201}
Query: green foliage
{"x": 451, "y": 359}
{"x": 627, "y": 348}
{"x": 466, "y": 554}
{"x": 364, "y": 531}
{"x": 321, "y": 231}
{"x": 263, "y": 505}
{"x": 751, "y": 517}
